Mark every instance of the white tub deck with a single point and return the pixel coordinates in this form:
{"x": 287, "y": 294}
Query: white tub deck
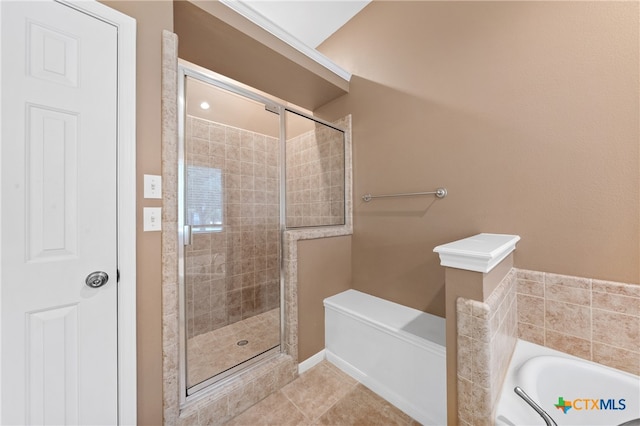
{"x": 396, "y": 351}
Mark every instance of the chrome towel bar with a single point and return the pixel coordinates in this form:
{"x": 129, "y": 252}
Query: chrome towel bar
{"x": 440, "y": 193}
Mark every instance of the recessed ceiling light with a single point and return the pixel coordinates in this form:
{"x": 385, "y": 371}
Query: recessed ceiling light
{"x": 204, "y": 105}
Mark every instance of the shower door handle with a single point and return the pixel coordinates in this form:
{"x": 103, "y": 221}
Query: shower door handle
{"x": 186, "y": 231}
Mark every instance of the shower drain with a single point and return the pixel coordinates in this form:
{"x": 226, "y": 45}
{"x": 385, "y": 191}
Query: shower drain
{"x": 242, "y": 342}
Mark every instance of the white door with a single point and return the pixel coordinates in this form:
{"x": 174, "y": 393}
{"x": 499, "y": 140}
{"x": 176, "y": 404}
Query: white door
{"x": 58, "y": 201}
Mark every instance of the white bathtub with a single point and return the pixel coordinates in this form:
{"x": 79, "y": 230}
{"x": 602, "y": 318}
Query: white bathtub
{"x": 597, "y": 395}
{"x": 396, "y": 351}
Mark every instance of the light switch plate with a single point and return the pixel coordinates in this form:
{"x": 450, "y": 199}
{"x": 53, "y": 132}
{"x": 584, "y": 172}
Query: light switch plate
{"x": 152, "y": 186}
{"x": 152, "y": 218}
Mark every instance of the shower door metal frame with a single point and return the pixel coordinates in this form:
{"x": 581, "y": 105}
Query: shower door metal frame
{"x": 186, "y": 69}
{"x": 188, "y": 393}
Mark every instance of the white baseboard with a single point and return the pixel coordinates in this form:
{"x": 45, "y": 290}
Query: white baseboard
{"x": 310, "y": 362}
{"x": 382, "y": 389}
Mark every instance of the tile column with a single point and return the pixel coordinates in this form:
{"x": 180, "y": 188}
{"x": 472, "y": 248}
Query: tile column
{"x": 475, "y": 266}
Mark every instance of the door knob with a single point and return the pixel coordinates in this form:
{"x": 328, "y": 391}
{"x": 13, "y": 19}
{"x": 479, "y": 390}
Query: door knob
{"x": 96, "y": 279}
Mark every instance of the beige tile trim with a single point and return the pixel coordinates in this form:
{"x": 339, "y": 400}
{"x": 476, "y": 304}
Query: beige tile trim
{"x": 486, "y": 338}
{"x": 169, "y": 225}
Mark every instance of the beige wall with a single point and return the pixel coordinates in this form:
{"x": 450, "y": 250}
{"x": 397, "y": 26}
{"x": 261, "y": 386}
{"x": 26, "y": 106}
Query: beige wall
{"x": 526, "y": 111}
{"x": 324, "y": 269}
{"x": 243, "y": 51}
{"x": 152, "y": 17}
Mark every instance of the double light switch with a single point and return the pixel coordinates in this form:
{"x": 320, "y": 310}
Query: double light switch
{"x": 152, "y": 216}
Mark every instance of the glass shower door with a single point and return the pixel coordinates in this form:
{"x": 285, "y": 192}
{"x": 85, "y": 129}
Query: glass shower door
{"x": 232, "y": 224}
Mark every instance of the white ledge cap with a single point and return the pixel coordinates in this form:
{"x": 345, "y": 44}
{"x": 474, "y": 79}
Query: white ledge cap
{"x": 480, "y": 253}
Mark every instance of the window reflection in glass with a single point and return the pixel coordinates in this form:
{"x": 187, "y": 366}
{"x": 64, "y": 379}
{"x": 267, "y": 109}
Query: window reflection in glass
{"x": 204, "y": 198}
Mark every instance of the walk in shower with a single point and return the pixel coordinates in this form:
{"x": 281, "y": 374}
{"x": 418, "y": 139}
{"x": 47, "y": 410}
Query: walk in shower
{"x": 249, "y": 167}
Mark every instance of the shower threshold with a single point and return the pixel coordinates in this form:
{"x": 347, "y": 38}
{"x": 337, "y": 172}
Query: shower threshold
{"x": 214, "y": 355}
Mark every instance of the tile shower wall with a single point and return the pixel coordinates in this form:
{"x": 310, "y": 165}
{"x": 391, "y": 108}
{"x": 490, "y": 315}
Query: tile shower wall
{"x": 254, "y": 384}
{"x": 592, "y": 319}
{"x": 315, "y": 178}
{"x": 487, "y": 334}
{"x": 233, "y": 273}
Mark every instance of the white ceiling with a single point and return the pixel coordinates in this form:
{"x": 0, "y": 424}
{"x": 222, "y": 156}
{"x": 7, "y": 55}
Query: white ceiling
{"x": 309, "y": 21}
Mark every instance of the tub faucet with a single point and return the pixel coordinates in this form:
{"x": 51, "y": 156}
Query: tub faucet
{"x": 634, "y": 422}
{"x": 546, "y": 417}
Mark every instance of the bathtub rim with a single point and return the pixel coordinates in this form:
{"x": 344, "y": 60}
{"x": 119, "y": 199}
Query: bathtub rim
{"x": 522, "y": 353}
{"x": 526, "y": 370}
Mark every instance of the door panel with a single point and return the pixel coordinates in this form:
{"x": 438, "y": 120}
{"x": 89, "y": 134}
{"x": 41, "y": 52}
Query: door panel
{"x": 59, "y": 136}
{"x": 52, "y": 214}
{"x": 53, "y": 366}
{"x": 53, "y": 55}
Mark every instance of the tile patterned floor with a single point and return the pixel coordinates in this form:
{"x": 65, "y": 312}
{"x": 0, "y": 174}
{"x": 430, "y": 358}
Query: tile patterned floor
{"x": 324, "y": 395}
{"x": 212, "y": 353}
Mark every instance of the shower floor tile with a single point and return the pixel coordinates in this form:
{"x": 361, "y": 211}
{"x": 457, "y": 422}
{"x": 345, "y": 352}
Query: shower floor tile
{"x": 324, "y": 395}
{"x": 212, "y": 353}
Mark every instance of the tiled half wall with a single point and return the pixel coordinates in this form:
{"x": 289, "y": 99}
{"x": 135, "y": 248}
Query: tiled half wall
{"x": 592, "y": 319}
{"x": 487, "y": 334}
